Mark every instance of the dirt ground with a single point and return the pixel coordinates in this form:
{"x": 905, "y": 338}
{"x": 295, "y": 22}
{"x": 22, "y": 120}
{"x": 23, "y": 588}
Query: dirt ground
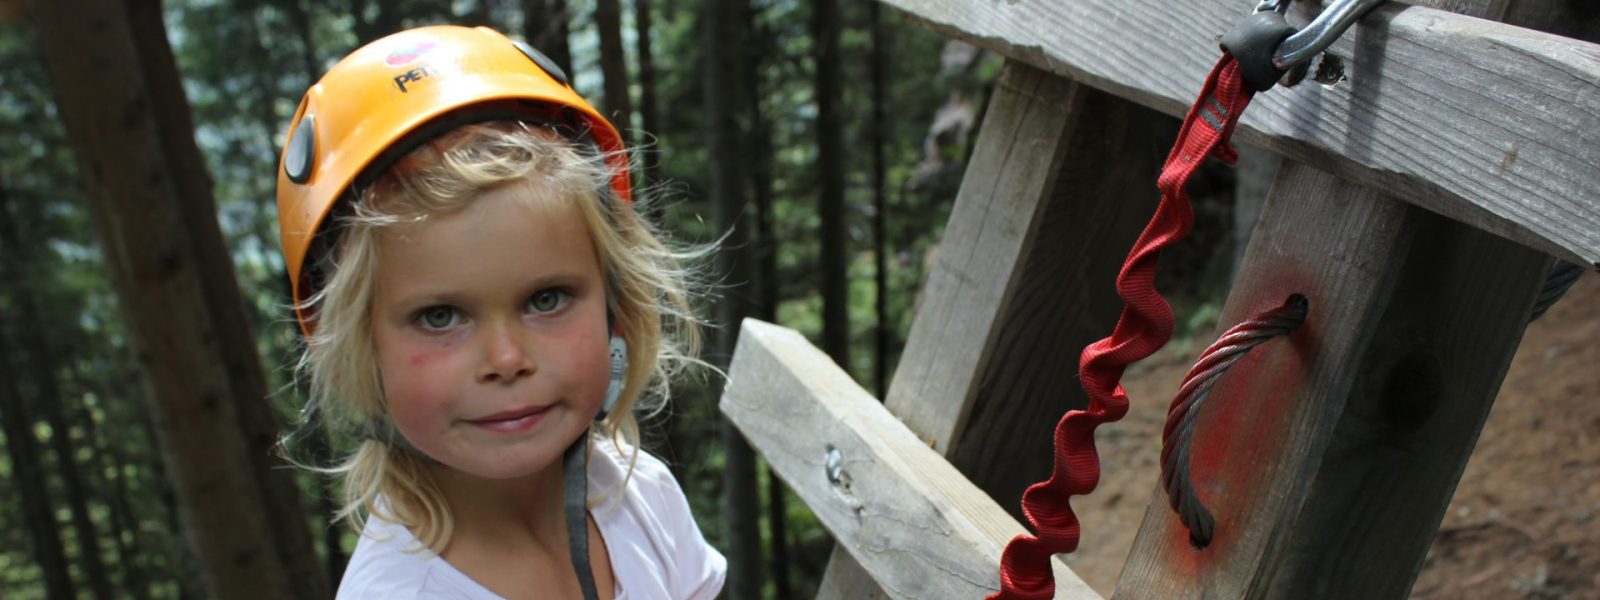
{"x": 1523, "y": 523}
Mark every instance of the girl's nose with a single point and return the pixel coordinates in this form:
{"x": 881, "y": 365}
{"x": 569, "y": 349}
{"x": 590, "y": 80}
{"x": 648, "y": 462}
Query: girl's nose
{"x": 506, "y": 359}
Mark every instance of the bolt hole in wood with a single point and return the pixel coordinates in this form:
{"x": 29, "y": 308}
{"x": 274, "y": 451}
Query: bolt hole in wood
{"x": 1330, "y": 70}
{"x": 1410, "y": 392}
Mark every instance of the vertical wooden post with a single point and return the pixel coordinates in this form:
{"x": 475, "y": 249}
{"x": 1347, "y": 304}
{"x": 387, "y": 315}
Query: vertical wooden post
{"x": 1329, "y": 459}
{"x": 989, "y": 365}
{"x": 1334, "y": 453}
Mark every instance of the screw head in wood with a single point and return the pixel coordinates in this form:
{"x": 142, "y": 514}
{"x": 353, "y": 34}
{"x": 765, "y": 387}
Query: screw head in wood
{"x": 835, "y": 466}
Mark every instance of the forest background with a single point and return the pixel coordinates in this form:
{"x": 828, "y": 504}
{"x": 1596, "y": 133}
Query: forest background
{"x": 144, "y": 339}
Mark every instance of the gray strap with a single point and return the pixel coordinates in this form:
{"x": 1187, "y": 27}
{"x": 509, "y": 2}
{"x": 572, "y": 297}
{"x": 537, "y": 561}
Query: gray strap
{"x": 575, "y": 469}
{"x": 575, "y": 476}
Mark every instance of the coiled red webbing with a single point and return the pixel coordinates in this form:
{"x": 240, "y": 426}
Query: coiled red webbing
{"x": 1145, "y": 326}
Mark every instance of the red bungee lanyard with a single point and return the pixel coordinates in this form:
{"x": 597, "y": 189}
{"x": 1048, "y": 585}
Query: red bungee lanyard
{"x": 1144, "y": 327}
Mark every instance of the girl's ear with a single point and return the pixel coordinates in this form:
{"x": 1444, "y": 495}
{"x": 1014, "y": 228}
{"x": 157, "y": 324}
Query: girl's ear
{"x": 619, "y": 372}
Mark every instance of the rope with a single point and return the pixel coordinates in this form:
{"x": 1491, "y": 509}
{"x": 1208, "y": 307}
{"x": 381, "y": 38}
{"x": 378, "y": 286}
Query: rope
{"x": 1144, "y": 327}
{"x": 1181, "y": 416}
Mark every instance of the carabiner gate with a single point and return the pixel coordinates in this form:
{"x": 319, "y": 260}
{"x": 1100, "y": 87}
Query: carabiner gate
{"x": 1266, "y": 46}
{"x": 1315, "y": 37}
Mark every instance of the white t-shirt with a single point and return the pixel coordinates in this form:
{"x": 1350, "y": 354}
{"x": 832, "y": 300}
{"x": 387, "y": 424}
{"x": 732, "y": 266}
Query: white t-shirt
{"x": 656, "y": 550}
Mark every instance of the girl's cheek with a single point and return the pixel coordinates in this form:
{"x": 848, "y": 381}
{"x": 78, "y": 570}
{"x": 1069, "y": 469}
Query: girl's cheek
{"x": 419, "y": 353}
{"x": 422, "y": 359}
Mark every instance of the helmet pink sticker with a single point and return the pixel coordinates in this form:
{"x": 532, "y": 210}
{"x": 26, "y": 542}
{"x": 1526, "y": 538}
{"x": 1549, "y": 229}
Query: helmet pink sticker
{"x": 408, "y": 54}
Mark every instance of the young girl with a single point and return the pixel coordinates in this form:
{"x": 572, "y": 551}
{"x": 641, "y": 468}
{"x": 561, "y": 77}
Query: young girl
{"x": 483, "y": 307}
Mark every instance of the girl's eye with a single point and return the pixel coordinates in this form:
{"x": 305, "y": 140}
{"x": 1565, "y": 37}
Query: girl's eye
{"x": 438, "y": 317}
{"x": 545, "y": 301}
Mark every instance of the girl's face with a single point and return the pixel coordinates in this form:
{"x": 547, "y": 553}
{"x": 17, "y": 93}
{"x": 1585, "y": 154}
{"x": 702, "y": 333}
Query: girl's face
{"x": 490, "y": 330}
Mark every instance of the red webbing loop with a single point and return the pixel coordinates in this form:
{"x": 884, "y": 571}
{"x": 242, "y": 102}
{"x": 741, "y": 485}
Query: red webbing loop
{"x": 1145, "y": 326}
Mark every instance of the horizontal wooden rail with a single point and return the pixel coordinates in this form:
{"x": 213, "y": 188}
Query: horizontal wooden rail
{"x": 912, "y": 521}
{"x": 1488, "y": 124}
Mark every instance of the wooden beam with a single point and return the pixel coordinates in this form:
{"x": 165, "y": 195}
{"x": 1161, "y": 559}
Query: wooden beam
{"x": 1010, "y": 179}
{"x": 908, "y": 517}
{"x": 989, "y": 367}
{"x": 1329, "y": 460}
{"x": 1103, "y": 195}
{"x": 844, "y": 578}
{"x": 1486, "y": 123}
{"x": 1015, "y": 164}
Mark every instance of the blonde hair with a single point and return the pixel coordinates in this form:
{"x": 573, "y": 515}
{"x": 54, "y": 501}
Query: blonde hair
{"x": 648, "y": 298}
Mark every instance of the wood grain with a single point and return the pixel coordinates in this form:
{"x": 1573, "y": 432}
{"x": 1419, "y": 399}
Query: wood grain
{"x": 1486, "y": 123}
{"x": 1060, "y": 171}
{"x": 1010, "y": 178}
{"x": 907, "y": 516}
{"x": 1331, "y": 459}
{"x": 1064, "y": 299}
{"x": 1328, "y": 459}
{"x": 844, "y": 578}
{"x": 1343, "y": 272}
{"x": 1417, "y": 404}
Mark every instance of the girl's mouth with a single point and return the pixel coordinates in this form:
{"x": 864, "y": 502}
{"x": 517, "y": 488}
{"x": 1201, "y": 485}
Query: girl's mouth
{"x": 511, "y": 421}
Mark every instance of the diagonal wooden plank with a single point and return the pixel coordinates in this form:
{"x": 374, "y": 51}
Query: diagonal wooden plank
{"x": 918, "y": 525}
{"x": 1489, "y": 124}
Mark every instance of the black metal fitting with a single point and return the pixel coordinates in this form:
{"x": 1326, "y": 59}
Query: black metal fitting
{"x": 1252, "y": 42}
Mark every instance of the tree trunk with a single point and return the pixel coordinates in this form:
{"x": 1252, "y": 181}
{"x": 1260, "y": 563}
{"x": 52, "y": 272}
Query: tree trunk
{"x": 256, "y": 417}
{"x": 765, "y": 247}
{"x": 830, "y": 172}
{"x": 124, "y": 529}
{"x": 48, "y": 398}
{"x": 649, "y": 115}
{"x": 477, "y": 15}
{"x": 124, "y": 110}
{"x": 302, "y": 28}
{"x": 759, "y": 150}
{"x": 27, "y": 470}
{"x": 334, "y": 558}
{"x": 614, "y": 65}
{"x": 880, "y": 207}
{"x": 385, "y": 20}
{"x": 721, "y": 25}
{"x": 544, "y": 25}
{"x": 27, "y": 476}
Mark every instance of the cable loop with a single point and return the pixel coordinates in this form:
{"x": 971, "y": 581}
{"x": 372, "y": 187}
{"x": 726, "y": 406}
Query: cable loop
{"x": 1556, "y": 284}
{"x": 1179, "y": 430}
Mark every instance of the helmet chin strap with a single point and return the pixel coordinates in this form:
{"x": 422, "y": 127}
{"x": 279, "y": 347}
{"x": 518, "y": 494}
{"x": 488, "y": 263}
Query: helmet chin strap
{"x": 575, "y": 470}
{"x": 576, "y": 467}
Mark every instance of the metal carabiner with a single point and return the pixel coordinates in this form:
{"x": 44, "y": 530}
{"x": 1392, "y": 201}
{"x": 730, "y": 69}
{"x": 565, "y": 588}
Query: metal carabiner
{"x": 1320, "y": 33}
{"x": 1277, "y": 6}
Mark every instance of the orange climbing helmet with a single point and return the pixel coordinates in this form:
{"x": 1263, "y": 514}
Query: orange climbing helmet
{"x": 394, "y": 94}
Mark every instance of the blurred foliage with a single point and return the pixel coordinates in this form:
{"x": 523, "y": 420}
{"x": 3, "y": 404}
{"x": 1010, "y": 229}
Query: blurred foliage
{"x": 245, "y": 64}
